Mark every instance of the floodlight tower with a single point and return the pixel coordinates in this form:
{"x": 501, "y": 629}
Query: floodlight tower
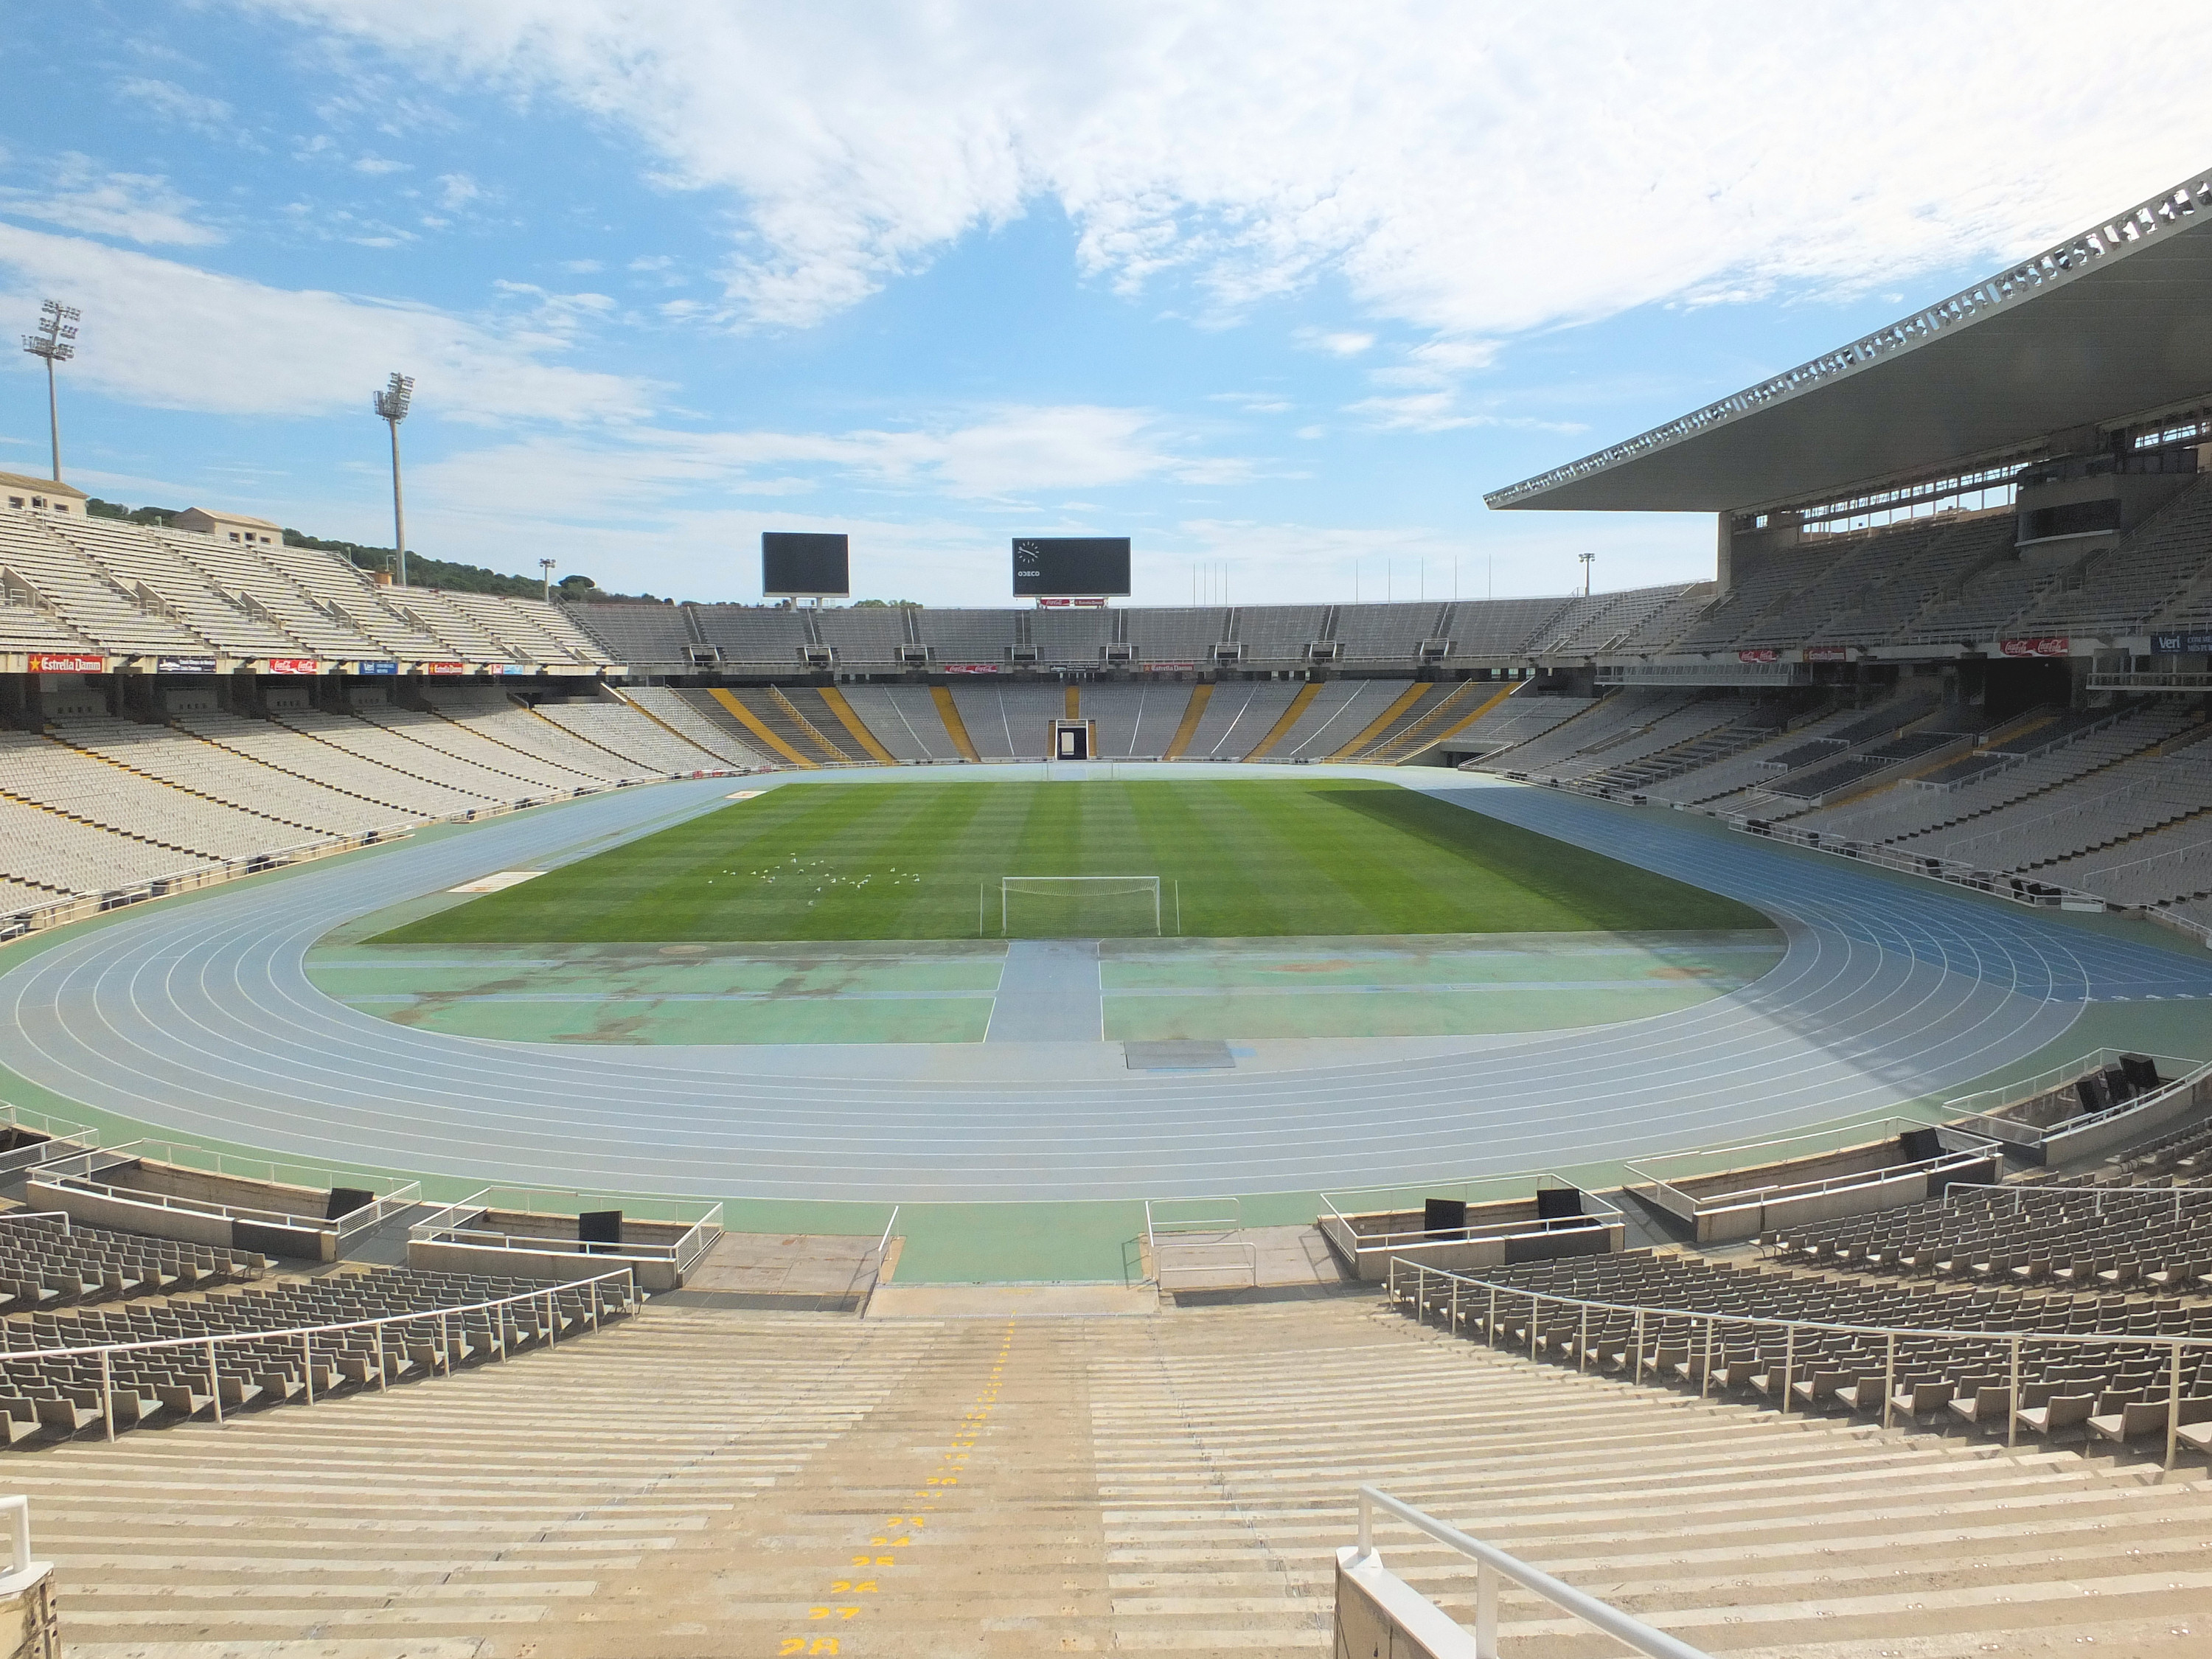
{"x": 1587, "y": 558}
{"x": 57, "y": 329}
{"x": 392, "y": 405}
{"x": 546, "y": 565}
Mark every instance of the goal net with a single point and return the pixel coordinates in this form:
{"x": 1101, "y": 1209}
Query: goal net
{"x": 1078, "y": 907}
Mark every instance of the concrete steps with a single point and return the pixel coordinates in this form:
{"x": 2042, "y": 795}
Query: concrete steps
{"x": 701, "y": 1482}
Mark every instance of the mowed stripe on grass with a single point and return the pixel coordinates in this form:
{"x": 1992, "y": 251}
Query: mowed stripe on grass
{"x": 831, "y": 860}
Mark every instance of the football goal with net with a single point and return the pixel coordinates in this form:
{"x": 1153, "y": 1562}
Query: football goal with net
{"x": 1078, "y": 907}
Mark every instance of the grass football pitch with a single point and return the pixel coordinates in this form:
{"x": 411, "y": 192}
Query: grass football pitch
{"x": 923, "y": 860}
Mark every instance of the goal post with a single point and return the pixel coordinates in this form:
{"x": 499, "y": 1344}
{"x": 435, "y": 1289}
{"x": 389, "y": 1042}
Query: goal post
{"x": 1080, "y": 907}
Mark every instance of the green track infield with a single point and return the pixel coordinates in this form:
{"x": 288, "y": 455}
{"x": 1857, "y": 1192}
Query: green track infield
{"x": 924, "y": 861}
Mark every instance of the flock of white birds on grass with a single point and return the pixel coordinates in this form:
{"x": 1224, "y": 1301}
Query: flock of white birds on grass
{"x": 803, "y": 868}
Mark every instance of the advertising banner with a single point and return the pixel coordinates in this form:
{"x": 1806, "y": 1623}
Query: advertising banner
{"x": 518, "y": 668}
{"x": 376, "y": 668}
{"x": 1761, "y": 654}
{"x": 1171, "y": 667}
{"x": 2173, "y": 645}
{"x": 289, "y": 665}
{"x": 971, "y": 668}
{"x": 184, "y": 665}
{"x": 441, "y": 667}
{"x": 1827, "y": 653}
{"x": 66, "y": 662}
{"x": 2051, "y": 644}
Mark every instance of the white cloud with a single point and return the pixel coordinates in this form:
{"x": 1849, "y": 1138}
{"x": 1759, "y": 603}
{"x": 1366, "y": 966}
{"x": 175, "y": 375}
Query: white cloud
{"x": 133, "y": 207}
{"x": 1441, "y": 412}
{"x": 1337, "y": 343}
{"x": 169, "y": 336}
{"x": 210, "y": 116}
{"x": 457, "y": 190}
{"x": 1470, "y": 172}
{"x": 377, "y": 166}
{"x": 993, "y": 455}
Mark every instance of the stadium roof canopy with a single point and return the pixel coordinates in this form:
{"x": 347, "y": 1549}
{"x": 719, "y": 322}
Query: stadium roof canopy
{"x": 2112, "y": 324}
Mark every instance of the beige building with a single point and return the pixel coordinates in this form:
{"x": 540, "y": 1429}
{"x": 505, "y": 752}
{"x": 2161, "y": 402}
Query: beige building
{"x": 231, "y": 526}
{"x": 23, "y": 493}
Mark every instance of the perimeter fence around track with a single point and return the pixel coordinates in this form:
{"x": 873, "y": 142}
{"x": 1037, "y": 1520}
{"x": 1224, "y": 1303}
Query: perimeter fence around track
{"x": 433, "y": 1330}
{"x": 1456, "y": 1296}
{"x": 81, "y": 1171}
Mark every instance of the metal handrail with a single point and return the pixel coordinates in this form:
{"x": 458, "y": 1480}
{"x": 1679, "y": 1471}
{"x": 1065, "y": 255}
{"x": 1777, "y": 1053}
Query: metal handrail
{"x": 398, "y": 1198}
{"x": 2055, "y": 1077}
{"x": 17, "y": 1509}
{"x": 1743, "y": 1196}
{"x": 108, "y": 1353}
{"x": 1712, "y": 1322}
{"x": 1492, "y": 1563}
{"x": 689, "y": 1246}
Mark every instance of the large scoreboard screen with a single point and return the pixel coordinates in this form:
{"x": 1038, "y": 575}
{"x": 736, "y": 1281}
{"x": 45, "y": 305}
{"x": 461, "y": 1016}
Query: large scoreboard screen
{"x": 1071, "y": 567}
{"x": 804, "y": 565}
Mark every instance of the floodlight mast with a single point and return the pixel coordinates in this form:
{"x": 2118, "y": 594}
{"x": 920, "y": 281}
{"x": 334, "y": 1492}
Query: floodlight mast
{"x": 1587, "y": 559}
{"x": 57, "y": 329}
{"x": 546, "y": 565}
{"x": 392, "y": 405}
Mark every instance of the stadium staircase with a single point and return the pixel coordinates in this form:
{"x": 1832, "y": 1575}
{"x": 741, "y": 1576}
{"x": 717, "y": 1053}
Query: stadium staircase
{"x": 769, "y": 725}
{"x": 1289, "y": 718}
{"x": 954, "y": 728}
{"x": 702, "y": 1481}
{"x": 1465, "y": 703}
{"x": 1404, "y": 709}
{"x": 1194, "y": 711}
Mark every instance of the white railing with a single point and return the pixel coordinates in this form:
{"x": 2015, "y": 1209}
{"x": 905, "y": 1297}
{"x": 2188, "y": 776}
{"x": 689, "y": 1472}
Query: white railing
{"x": 2054, "y": 1135}
{"x": 2007, "y": 758}
{"x": 1710, "y": 1325}
{"x": 94, "y": 901}
{"x": 63, "y": 1139}
{"x": 2171, "y": 1202}
{"x": 1491, "y": 1564}
{"x": 2001, "y": 883}
{"x": 1342, "y": 1232}
{"x": 108, "y": 1353}
{"x": 1990, "y": 1102}
{"x": 1670, "y": 1196}
{"x": 17, "y": 1509}
{"x": 452, "y": 1224}
{"x": 2061, "y": 264}
{"x": 79, "y": 1171}
{"x": 1205, "y": 1234}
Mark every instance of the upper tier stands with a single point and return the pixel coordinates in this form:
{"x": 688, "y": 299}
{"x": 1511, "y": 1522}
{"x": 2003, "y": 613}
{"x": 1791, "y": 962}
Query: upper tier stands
{"x": 126, "y": 590}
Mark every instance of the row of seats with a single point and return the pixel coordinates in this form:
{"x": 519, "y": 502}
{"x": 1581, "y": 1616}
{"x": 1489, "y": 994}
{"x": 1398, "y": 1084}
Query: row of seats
{"x": 105, "y": 585}
{"x": 160, "y": 1365}
{"x": 650, "y": 637}
{"x": 96, "y": 804}
{"x": 2092, "y": 1239}
{"x": 48, "y": 1262}
{"x": 1675, "y": 1319}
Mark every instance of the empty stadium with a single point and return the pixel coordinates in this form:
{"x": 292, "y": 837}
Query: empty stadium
{"x": 1702, "y": 1087}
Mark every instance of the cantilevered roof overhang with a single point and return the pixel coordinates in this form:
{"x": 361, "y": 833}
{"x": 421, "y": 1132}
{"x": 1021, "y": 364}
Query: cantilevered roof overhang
{"x": 2112, "y": 324}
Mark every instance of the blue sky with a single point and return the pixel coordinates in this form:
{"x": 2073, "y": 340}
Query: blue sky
{"x": 1278, "y": 303}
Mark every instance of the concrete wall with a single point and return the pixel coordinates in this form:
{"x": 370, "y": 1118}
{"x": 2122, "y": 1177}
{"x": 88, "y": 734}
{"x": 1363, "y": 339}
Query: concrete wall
{"x": 96, "y": 1210}
{"x": 1380, "y": 1616}
{"x": 555, "y": 1266}
{"x": 2095, "y": 1139}
{"x": 29, "y": 1625}
{"x": 120, "y": 1212}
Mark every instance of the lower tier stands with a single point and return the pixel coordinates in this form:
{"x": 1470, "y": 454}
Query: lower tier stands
{"x": 173, "y": 1359}
{"x": 1993, "y": 1358}
{"x": 97, "y": 805}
